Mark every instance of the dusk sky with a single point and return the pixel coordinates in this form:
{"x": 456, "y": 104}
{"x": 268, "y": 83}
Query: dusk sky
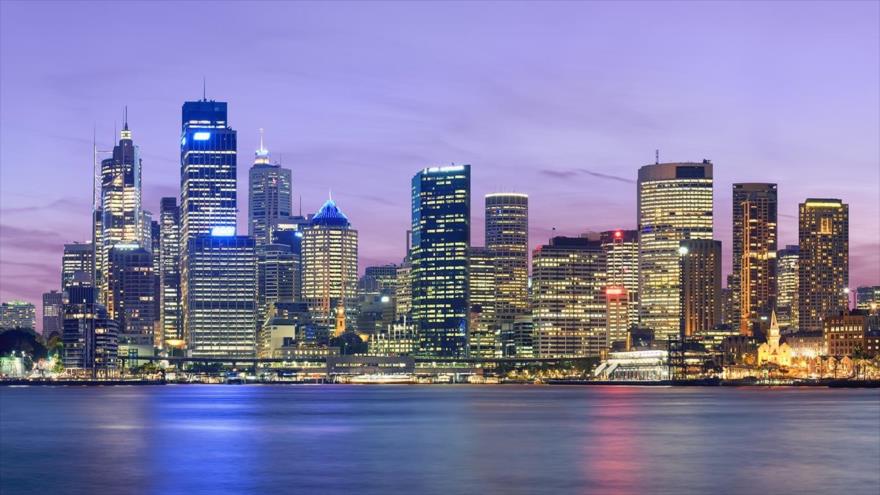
{"x": 562, "y": 101}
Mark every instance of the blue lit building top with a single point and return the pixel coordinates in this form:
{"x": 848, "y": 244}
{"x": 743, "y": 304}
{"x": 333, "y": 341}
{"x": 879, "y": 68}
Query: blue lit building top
{"x": 331, "y": 216}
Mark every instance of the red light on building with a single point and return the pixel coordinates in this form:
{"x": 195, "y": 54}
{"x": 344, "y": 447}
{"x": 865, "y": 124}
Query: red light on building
{"x": 614, "y": 291}
{"x": 618, "y": 234}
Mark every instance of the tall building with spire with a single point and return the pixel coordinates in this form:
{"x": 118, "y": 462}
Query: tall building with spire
{"x": 441, "y": 238}
{"x": 674, "y": 205}
{"x": 122, "y": 218}
{"x": 269, "y": 197}
{"x": 330, "y": 268}
{"x": 823, "y": 261}
{"x": 754, "y": 254}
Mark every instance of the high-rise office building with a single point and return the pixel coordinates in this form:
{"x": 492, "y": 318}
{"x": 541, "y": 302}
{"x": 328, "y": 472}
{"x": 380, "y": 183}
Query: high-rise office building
{"x": 787, "y": 286}
{"x": 269, "y": 196}
{"x": 53, "y": 319}
{"x": 289, "y": 231}
{"x": 379, "y": 280}
{"x": 484, "y": 336}
{"x": 207, "y": 168}
{"x": 754, "y": 254}
{"x": 674, "y": 205}
{"x": 823, "y": 263}
{"x": 622, "y": 261}
{"x": 403, "y": 291}
{"x": 169, "y": 275}
{"x": 329, "y": 268}
{"x": 507, "y": 239}
{"x": 121, "y": 194}
{"x": 131, "y": 298}
{"x": 868, "y": 299}
{"x": 277, "y": 269}
{"x": 700, "y": 282}
{"x": 78, "y": 257}
{"x": 441, "y": 237}
{"x": 18, "y": 314}
{"x": 220, "y": 305}
{"x": 89, "y": 335}
{"x": 568, "y": 298}
{"x": 208, "y": 206}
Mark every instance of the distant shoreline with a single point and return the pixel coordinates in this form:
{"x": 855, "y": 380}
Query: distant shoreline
{"x": 662, "y": 383}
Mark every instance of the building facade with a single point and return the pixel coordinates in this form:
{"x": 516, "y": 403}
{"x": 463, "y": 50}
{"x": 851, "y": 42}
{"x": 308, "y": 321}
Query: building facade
{"x": 330, "y": 268}
{"x": 754, "y": 254}
{"x": 484, "y": 336}
{"x": 53, "y": 318}
{"x": 171, "y": 320}
{"x": 622, "y": 261}
{"x": 787, "y": 286}
{"x": 269, "y": 199}
{"x": 700, "y": 272}
{"x": 220, "y": 306}
{"x": 130, "y": 300}
{"x": 674, "y": 205}
{"x": 441, "y": 210}
{"x": 823, "y": 261}
{"x": 78, "y": 257}
{"x": 18, "y": 314}
{"x": 507, "y": 239}
{"x": 568, "y": 298}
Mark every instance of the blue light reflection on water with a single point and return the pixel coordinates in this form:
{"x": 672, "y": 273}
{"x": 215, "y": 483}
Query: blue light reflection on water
{"x": 437, "y": 439}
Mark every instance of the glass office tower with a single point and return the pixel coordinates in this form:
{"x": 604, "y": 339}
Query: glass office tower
{"x": 823, "y": 261}
{"x": 674, "y": 205}
{"x": 269, "y": 196}
{"x": 754, "y": 254}
{"x": 441, "y": 234}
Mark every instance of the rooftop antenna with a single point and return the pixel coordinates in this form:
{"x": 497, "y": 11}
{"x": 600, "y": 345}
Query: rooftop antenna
{"x": 300, "y": 205}
{"x": 657, "y": 157}
{"x": 261, "y": 139}
{"x": 204, "y": 88}
{"x": 125, "y": 118}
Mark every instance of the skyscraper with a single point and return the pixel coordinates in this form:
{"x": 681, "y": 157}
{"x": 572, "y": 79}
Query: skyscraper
{"x": 207, "y": 169}
{"x": 622, "y": 256}
{"x": 507, "y": 239}
{"x": 269, "y": 198}
{"x": 169, "y": 274}
{"x": 78, "y": 257}
{"x": 568, "y": 298}
{"x": 220, "y": 305}
{"x": 484, "y": 338}
{"x": 89, "y": 335}
{"x": 441, "y": 237}
{"x": 277, "y": 269}
{"x": 823, "y": 263}
{"x": 131, "y": 298}
{"x": 754, "y": 254}
{"x": 329, "y": 268}
{"x": 787, "y": 286}
{"x": 208, "y": 206}
{"x": 674, "y": 205}
{"x": 700, "y": 273}
{"x": 53, "y": 319}
{"x": 121, "y": 194}
{"x": 868, "y": 299}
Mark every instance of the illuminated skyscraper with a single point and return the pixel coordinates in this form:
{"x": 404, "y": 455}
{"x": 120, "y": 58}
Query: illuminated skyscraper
{"x": 121, "y": 194}
{"x": 131, "y": 298}
{"x": 507, "y": 239}
{"x": 674, "y": 205}
{"x": 89, "y": 335}
{"x": 484, "y": 338}
{"x": 622, "y": 253}
{"x": 787, "y": 286}
{"x": 220, "y": 305}
{"x": 77, "y": 258}
{"x": 207, "y": 169}
{"x": 277, "y": 269}
{"x": 208, "y": 204}
{"x": 754, "y": 254}
{"x": 823, "y": 264}
{"x": 169, "y": 274}
{"x": 330, "y": 268}
{"x": 269, "y": 197}
{"x": 568, "y": 298}
{"x": 441, "y": 237}
{"x": 700, "y": 273}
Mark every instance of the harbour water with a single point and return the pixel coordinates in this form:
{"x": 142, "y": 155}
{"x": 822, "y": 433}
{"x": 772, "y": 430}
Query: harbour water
{"x": 438, "y": 439}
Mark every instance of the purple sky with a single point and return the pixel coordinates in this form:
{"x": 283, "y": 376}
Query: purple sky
{"x": 562, "y": 101}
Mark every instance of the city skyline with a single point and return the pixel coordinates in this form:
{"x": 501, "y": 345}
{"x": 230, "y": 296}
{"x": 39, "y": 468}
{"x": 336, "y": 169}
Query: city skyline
{"x": 335, "y": 137}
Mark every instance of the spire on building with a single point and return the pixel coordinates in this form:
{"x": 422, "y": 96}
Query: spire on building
{"x": 262, "y": 154}
{"x": 125, "y": 133}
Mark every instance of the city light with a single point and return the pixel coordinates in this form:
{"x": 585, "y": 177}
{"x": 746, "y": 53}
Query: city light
{"x": 201, "y": 136}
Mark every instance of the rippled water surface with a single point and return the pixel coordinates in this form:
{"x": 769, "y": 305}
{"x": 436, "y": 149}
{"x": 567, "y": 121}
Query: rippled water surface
{"x": 438, "y": 439}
